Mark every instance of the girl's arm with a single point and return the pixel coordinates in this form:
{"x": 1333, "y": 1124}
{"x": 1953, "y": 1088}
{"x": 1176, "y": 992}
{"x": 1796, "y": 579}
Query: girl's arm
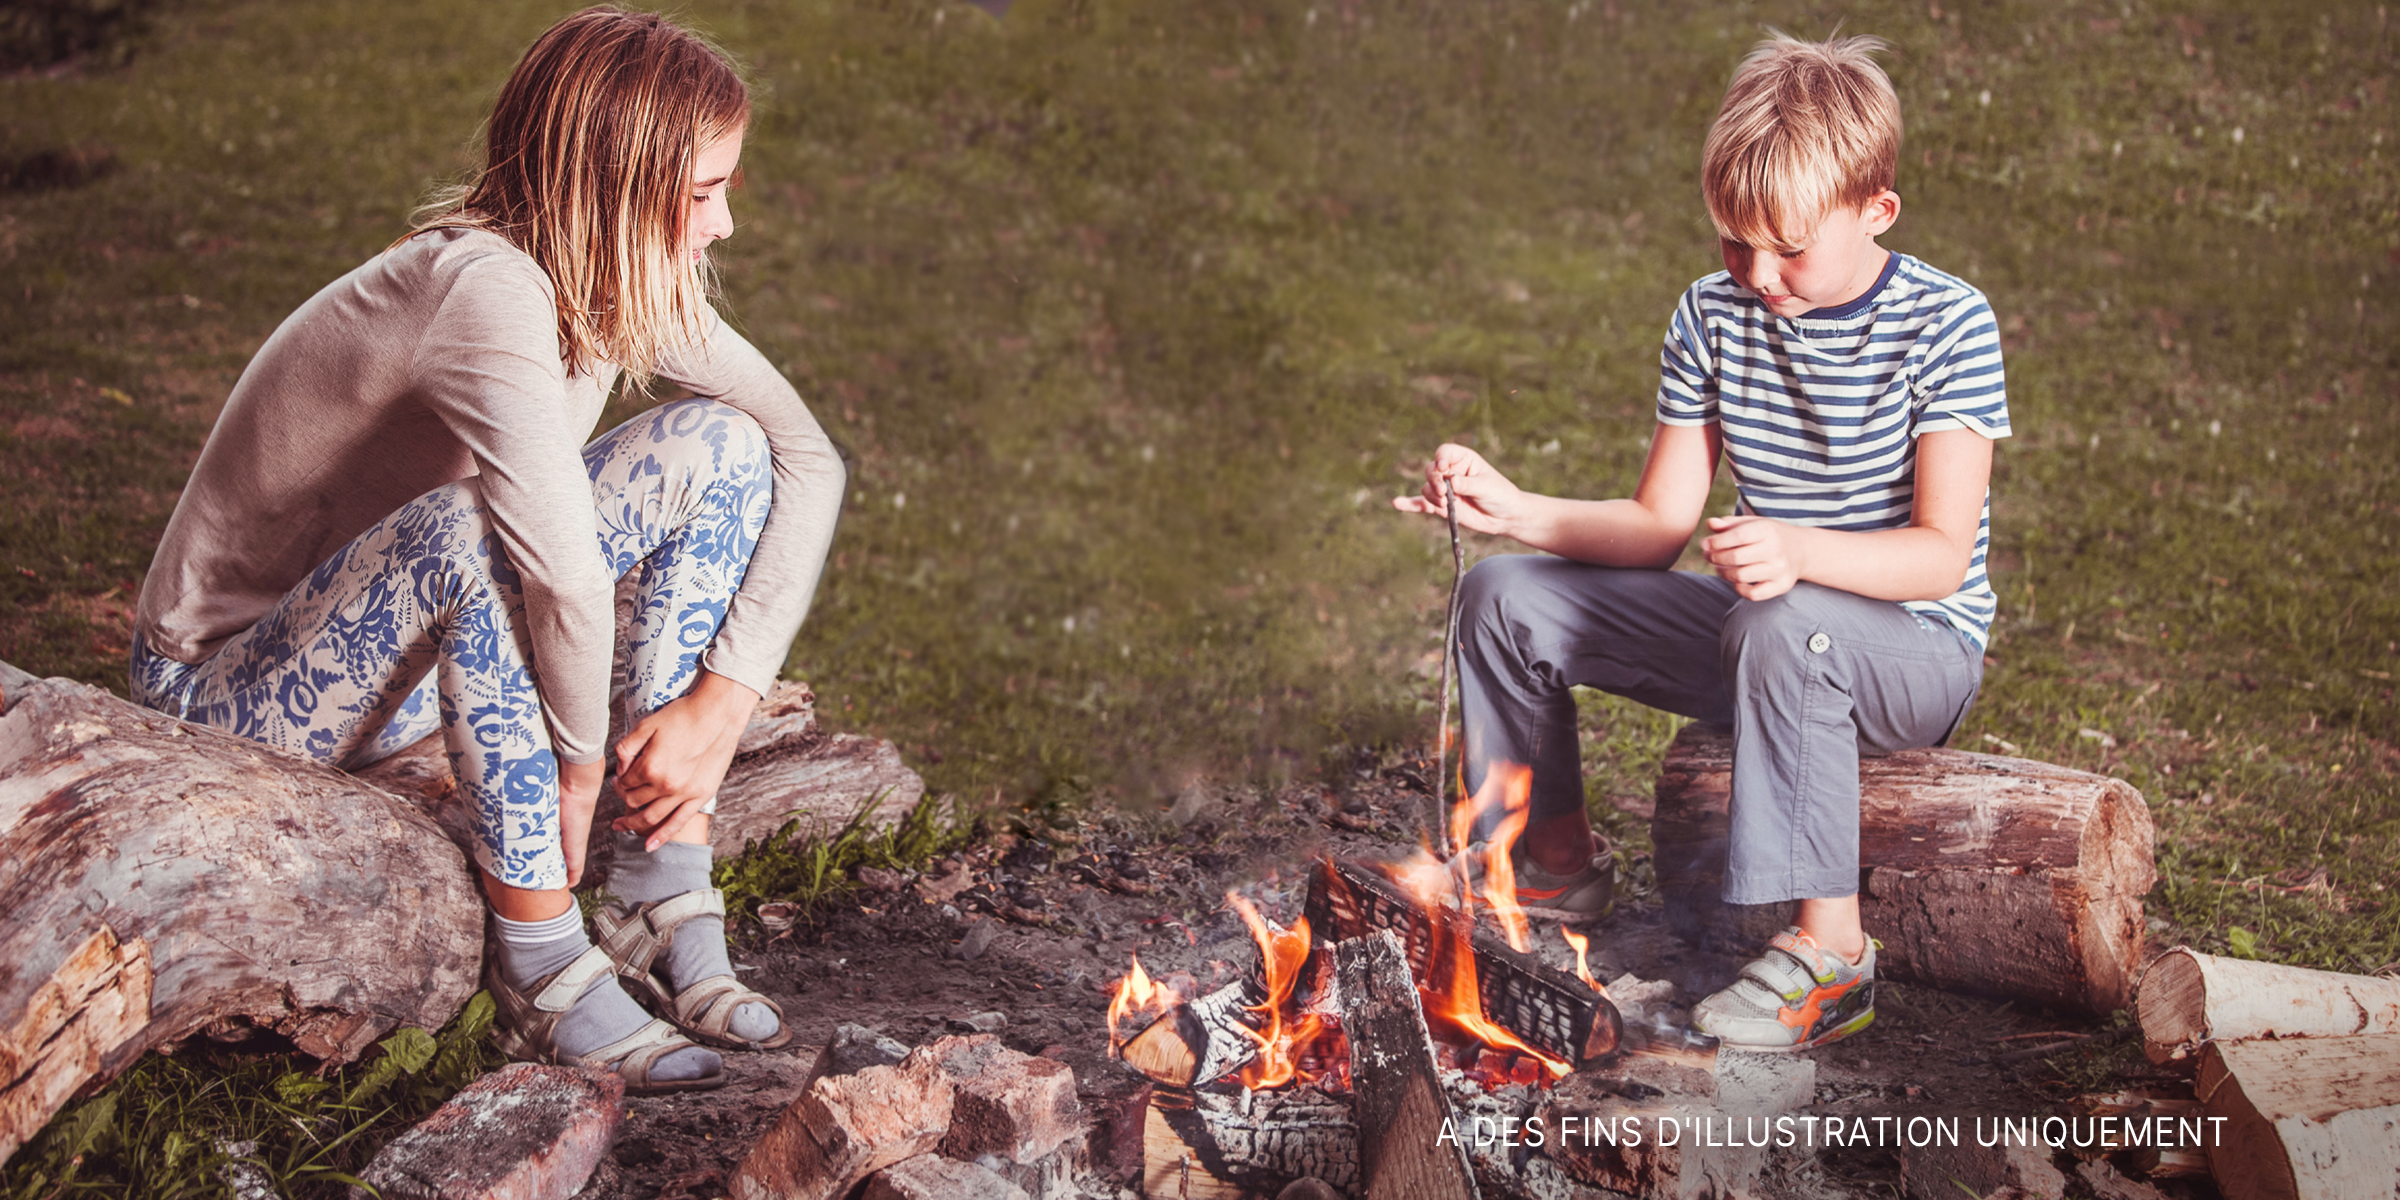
{"x": 1648, "y": 530}
{"x": 674, "y": 760}
{"x": 1926, "y": 560}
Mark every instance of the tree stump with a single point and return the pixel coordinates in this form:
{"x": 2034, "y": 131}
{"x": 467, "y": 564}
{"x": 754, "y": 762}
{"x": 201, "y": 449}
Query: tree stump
{"x": 2189, "y": 998}
{"x": 163, "y": 880}
{"x": 1978, "y": 873}
{"x": 2306, "y": 1119}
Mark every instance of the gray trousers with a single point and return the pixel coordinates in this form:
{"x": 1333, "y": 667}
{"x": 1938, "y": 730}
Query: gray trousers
{"x": 1806, "y": 681}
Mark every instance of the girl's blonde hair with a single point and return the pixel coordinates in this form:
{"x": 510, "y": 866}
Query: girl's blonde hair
{"x": 1805, "y": 127}
{"x": 587, "y": 167}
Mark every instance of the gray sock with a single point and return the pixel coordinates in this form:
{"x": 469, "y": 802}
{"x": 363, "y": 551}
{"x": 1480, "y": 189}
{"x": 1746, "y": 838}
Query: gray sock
{"x": 530, "y": 950}
{"x": 698, "y": 952}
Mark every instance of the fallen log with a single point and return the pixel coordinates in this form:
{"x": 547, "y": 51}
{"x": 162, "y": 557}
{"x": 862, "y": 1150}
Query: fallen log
{"x": 2305, "y": 1119}
{"x": 2188, "y": 998}
{"x": 1409, "y": 1144}
{"x": 1978, "y": 873}
{"x": 163, "y": 880}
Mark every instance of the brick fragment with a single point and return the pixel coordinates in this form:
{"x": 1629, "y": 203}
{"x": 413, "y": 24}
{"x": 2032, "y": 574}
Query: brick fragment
{"x": 1010, "y": 1104}
{"x": 845, "y": 1128}
{"x": 932, "y": 1177}
{"x": 523, "y": 1132}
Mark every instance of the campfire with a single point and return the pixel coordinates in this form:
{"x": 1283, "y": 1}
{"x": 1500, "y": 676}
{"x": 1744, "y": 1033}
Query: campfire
{"x": 1397, "y": 979}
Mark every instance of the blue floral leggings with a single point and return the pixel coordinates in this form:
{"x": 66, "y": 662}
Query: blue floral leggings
{"x": 418, "y": 624}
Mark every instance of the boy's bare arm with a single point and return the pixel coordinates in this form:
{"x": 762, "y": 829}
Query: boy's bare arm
{"x": 1648, "y": 530}
{"x": 1927, "y": 560}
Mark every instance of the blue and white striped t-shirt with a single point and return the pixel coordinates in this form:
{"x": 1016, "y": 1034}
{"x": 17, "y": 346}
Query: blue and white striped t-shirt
{"x": 1820, "y": 413}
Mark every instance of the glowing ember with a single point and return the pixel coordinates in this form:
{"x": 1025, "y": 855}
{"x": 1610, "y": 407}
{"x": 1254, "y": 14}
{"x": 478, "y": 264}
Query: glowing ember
{"x": 1137, "y": 996}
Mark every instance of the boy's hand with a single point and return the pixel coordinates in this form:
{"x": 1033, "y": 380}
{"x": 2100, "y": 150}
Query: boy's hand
{"x": 1761, "y": 557}
{"x": 673, "y": 760}
{"x": 1487, "y": 501}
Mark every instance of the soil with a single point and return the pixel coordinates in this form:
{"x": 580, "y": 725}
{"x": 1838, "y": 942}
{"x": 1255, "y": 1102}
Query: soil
{"x": 1067, "y": 909}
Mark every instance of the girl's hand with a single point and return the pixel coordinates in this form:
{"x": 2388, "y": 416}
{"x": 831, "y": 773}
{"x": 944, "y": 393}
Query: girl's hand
{"x": 675, "y": 759}
{"x": 1759, "y": 556}
{"x": 1487, "y": 501}
{"x": 578, "y": 793}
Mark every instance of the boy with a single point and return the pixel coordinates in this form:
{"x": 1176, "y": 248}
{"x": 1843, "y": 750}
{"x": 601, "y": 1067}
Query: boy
{"x": 1855, "y": 394}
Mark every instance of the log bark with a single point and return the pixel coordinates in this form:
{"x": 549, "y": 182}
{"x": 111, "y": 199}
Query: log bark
{"x": 2188, "y": 998}
{"x": 1978, "y": 873}
{"x": 1409, "y": 1145}
{"x": 2306, "y": 1119}
{"x": 163, "y": 879}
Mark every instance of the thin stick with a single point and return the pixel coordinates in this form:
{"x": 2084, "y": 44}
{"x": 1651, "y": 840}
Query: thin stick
{"x": 1441, "y": 754}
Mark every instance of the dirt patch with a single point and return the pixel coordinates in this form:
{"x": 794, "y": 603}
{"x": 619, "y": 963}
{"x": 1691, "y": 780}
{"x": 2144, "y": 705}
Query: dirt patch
{"x": 1038, "y": 928}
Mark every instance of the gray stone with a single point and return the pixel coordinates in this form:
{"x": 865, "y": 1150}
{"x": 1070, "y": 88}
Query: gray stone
{"x": 978, "y": 940}
{"x": 982, "y": 1022}
{"x": 854, "y": 1048}
{"x": 1764, "y": 1085}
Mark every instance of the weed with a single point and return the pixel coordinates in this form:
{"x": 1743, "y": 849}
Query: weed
{"x": 172, "y": 1124}
{"x": 807, "y": 870}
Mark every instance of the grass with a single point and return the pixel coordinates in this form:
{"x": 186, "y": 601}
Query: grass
{"x": 173, "y": 1125}
{"x": 1134, "y": 316}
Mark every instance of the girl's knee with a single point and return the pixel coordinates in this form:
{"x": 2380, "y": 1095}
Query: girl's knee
{"x": 710, "y": 436}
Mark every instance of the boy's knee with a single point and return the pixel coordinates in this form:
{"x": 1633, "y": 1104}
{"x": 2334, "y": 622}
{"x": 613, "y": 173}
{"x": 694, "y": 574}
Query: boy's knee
{"x": 1479, "y": 594}
{"x": 1770, "y": 635}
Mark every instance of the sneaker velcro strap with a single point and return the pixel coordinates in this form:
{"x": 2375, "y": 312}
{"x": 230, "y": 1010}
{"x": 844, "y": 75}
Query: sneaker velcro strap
{"x": 564, "y": 988}
{"x": 1782, "y": 972}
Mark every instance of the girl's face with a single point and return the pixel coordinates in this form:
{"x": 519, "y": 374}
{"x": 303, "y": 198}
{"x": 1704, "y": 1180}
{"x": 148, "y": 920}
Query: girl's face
{"x": 712, "y": 176}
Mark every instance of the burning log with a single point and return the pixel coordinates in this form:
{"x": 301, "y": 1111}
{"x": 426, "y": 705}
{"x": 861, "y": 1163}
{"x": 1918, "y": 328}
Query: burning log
{"x": 1982, "y": 873}
{"x": 2188, "y": 998}
{"x": 2305, "y": 1119}
{"x": 1550, "y": 1011}
{"x": 1409, "y": 1142}
{"x": 1220, "y": 1145}
{"x": 1201, "y": 1042}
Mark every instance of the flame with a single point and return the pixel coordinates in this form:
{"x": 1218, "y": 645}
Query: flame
{"x": 1511, "y": 787}
{"x": 1583, "y": 968}
{"x": 1281, "y": 954}
{"x": 1137, "y": 995}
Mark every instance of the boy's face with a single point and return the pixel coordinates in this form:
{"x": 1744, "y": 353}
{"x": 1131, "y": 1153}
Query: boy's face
{"x": 1835, "y": 263}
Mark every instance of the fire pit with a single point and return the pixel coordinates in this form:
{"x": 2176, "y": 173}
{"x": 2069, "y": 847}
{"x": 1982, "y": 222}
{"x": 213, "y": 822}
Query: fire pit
{"x": 1385, "y": 1030}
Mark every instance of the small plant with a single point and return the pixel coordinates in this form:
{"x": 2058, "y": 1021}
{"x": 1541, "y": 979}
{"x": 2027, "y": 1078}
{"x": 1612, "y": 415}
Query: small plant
{"x": 172, "y": 1125}
{"x": 806, "y": 872}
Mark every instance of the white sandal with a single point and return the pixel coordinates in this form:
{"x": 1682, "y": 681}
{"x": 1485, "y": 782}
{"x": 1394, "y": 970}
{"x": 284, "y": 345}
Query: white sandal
{"x": 528, "y": 1023}
{"x": 636, "y": 940}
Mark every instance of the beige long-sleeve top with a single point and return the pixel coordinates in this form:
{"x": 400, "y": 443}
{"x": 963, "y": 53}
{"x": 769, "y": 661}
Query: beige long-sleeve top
{"x": 439, "y": 360}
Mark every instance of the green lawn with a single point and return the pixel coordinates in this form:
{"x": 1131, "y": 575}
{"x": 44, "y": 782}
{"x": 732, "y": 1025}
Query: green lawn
{"x": 1135, "y": 315}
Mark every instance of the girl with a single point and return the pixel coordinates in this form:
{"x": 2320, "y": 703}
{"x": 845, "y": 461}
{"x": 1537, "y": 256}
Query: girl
{"x": 396, "y": 527}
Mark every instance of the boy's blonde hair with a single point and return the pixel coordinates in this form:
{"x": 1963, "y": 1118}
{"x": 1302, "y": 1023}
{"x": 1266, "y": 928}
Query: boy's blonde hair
{"x": 587, "y": 167}
{"x": 1806, "y": 127}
